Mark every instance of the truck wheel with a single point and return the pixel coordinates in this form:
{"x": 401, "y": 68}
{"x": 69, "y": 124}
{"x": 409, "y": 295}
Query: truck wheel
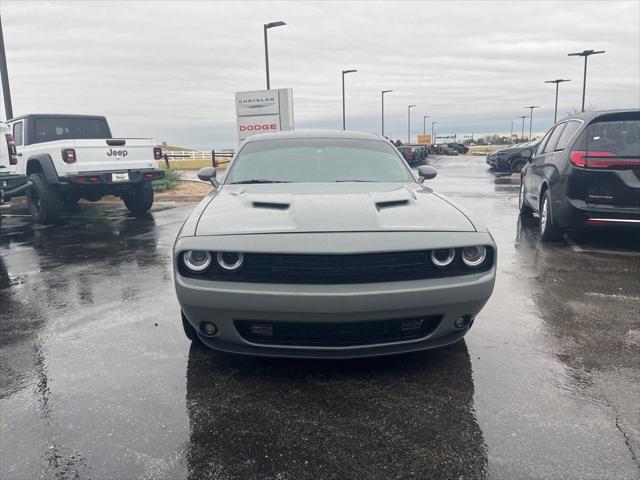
{"x": 43, "y": 200}
{"x": 139, "y": 198}
{"x": 517, "y": 165}
{"x": 548, "y": 231}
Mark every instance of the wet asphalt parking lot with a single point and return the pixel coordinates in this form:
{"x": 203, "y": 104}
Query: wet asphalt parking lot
{"x": 98, "y": 381}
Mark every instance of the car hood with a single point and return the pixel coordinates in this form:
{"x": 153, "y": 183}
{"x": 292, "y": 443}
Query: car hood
{"x": 336, "y": 207}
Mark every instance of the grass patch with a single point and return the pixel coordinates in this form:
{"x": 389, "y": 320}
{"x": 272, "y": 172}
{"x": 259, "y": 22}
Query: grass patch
{"x": 169, "y": 182}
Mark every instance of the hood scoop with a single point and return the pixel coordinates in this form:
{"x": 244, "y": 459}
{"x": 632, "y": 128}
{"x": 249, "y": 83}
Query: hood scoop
{"x": 271, "y": 205}
{"x": 391, "y": 204}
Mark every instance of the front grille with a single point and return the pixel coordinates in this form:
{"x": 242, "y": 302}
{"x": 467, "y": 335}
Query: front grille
{"x": 340, "y": 269}
{"x": 314, "y": 334}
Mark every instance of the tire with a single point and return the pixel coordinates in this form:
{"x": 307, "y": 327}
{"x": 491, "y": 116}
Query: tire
{"x": 189, "y": 331}
{"x": 140, "y": 198}
{"x": 517, "y": 165}
{"x": 43, "y": 200}
{"x": 523, "y": 206}
{"x": 549, "y": 232}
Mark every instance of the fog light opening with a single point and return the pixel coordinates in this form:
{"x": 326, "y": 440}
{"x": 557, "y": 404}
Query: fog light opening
{"x": 463, "y": 322}
{"x": 208, "y": 329}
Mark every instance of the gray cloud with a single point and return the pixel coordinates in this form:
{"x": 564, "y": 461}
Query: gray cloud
{"x": 170, "y": 69}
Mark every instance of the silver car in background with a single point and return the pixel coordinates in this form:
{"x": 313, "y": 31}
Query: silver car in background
{"x": 326, "y": 245}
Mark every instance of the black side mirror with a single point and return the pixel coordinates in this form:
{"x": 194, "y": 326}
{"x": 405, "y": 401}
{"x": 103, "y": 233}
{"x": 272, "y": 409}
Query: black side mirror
{"x": 527, "y": 153}
{"x": 427, "y": 172}
{"x": 208, "y": 174}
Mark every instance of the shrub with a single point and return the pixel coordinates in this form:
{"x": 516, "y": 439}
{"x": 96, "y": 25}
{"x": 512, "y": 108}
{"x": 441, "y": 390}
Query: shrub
{"x": 170, "y": 181}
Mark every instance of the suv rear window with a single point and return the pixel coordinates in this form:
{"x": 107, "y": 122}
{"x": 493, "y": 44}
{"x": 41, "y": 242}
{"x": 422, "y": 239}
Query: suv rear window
{"x": 621, "y": 137}
{"x": 51, "y": 129}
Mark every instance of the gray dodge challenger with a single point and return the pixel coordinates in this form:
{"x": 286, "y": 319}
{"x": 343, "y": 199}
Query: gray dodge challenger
{"x": 327, "y": 245}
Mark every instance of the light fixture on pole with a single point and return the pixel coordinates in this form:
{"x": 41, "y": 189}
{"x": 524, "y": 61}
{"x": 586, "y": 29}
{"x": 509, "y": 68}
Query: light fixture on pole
{"x": 424, "y": 124}
{"x": 557, "y": 82}
{"x": 522, "y": 135}
{"x": 433, "y": 133}
{"x": 266, "y": 27}
{"x": 383, "y": 92}
{"x": 344, "y": 72}
{"x": 409, "y": 122}
{"x": 531, "y": 107}
{"x": 585, "y": 54}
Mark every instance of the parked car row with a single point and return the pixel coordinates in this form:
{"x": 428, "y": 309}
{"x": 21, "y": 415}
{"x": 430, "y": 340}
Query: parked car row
{"x": 414, "y": 154}
{"x": 585, "y": 172}
{"x": 509, "y": 159}
{"x": 55, "y": 160}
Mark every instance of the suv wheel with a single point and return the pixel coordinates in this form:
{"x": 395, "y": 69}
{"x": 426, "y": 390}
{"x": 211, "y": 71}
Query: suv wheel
{"x": 548, "y": 231}
{"x": 525, "y": 209}
{"x": 139, "y": 198}
{"x": 43, "y": 200}
{"x": 517, "y": 165}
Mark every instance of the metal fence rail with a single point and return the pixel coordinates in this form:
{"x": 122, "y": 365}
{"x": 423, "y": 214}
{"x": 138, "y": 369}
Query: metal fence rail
{"x": 214, "y": 158}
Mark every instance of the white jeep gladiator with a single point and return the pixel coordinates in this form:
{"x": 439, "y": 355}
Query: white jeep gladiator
{"x": 11, "y": 183}
{"x": 69, "y": 157}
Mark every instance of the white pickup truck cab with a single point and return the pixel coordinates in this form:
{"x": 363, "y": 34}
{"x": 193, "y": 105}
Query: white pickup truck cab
{"x": 69, "y": 157}
{"x": 11, "y": 183}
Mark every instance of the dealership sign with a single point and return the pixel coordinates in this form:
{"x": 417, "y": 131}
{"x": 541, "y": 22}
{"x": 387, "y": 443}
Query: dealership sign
{"x": 264, "y": 111}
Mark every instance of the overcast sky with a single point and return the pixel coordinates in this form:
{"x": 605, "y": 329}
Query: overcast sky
{"x": 169, "y": 70}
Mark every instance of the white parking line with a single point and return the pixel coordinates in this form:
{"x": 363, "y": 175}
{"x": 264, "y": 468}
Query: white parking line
{"x": 612, "y": 295}
{"x": 577, "y": 248}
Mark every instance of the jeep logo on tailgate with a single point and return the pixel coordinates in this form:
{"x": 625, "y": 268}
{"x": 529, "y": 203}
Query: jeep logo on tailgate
{"x": 117, "y": 153}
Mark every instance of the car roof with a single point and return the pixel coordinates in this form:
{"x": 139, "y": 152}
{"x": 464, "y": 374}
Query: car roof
{"x": 344, "y": 134}
{"x": 588, "y": 116}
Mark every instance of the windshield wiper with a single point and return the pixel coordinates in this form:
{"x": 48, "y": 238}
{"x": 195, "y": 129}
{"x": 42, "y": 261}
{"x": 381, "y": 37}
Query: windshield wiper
{"x": 258, "y": 180}
{"x": 362, "y": 181}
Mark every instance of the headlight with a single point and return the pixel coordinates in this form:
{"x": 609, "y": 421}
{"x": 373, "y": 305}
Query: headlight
{"x": 443, "y": 257}
{"x": 230, "y": 261}
{"x": 196, "y": 260}
{"x": 473, "y": 256}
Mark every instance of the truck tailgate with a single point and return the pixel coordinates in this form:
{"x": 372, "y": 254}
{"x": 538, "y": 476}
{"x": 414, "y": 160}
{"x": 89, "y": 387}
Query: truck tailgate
{"x": 114, "y": 154}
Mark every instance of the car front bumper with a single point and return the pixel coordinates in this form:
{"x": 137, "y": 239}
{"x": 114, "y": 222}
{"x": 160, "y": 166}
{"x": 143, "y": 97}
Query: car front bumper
{"x": 222, "y": 303}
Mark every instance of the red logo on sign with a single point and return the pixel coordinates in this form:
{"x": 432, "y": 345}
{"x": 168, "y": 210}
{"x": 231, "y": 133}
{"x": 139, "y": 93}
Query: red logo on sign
{"x": 265, "y": 126}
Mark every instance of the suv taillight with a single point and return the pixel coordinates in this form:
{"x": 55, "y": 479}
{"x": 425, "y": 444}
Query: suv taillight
{"x": 157, "y": 153}
{"x": 11, "y": 147}
{"x": 69, "y": 155}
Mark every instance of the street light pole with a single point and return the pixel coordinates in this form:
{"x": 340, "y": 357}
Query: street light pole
{"x": 409, "y": 122}
{"x": 585, "y": 54}
{"x": 522, "y": 134}
{"x": 511, "y": 136}
{"x": 344, "y": 72}
{"x": 424, "y": 124}
{"x": 557, "y": 82}
{"x": 383, "y": 92}
{"x": 531, "y": 107}
{"x": 5, "y": 77}
{"x": 433, "y": 133}
{"x": 266, "y": 27}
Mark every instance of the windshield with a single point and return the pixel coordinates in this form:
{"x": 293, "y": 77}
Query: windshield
{"x": 314, "y": 160}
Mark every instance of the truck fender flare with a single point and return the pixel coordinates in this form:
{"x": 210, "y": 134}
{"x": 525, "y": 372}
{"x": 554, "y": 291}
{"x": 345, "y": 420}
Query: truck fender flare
{"x": 46, "y": 166}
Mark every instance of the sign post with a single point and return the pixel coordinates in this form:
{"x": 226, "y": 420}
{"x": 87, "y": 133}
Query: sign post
{"x": 263, "y": 111}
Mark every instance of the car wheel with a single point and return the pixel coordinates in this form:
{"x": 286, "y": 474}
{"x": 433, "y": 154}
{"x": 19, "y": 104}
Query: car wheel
{"x": 139, "y": 199}
{"x": 548, "y": 231}
{"x": 517, "y": 165}
{"x": 189, "y": 331}
{"x": 43, "y": 200}
{"x": 524, "y": 207}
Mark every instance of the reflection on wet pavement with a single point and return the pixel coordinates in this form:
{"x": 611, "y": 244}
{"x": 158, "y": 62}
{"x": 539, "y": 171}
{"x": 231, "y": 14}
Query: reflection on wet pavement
{"x": 98, "y": 381}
